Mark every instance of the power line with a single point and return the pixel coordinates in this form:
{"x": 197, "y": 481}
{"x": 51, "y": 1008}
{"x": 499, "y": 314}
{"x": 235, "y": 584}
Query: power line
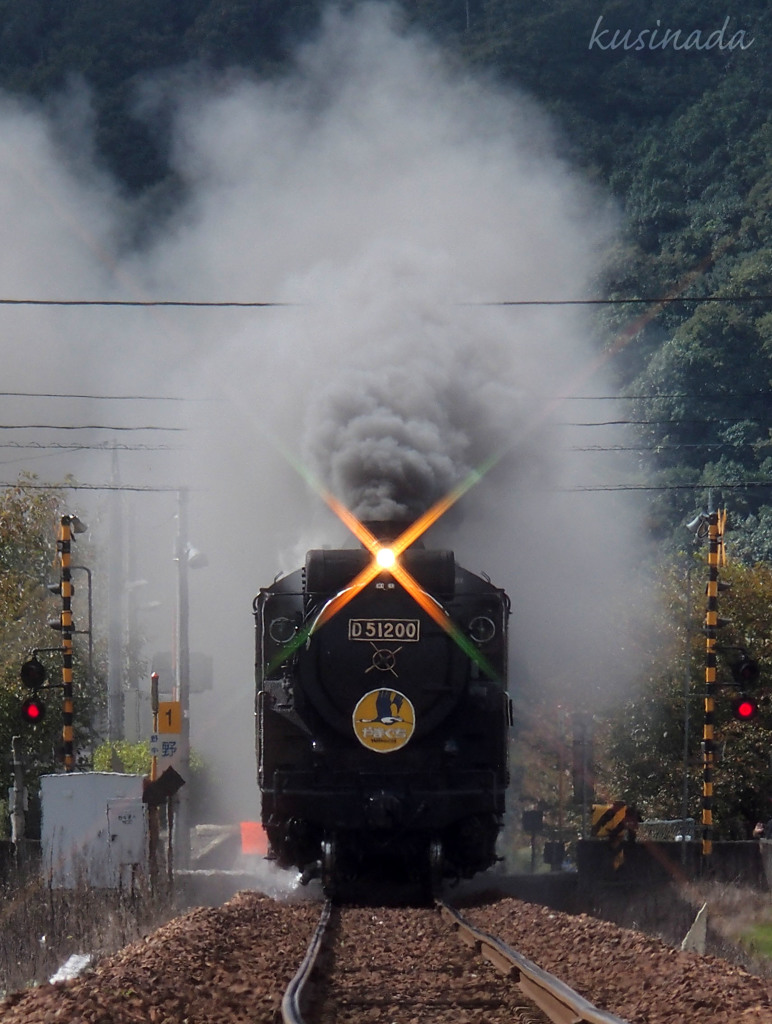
{"x": 59, "y": 426}
{"x": 25, "y": 485}
{"x": 578, "y": 488}
{"x": 658, "y": 423}
{"x": 101, "y": 398}
{"x": 628, "y": 301}
{"x": 236, "y": 304}
{"x": 184, "y": 303}
{"x": 692, "y": 395}
{"x": 104, "y": 447}
{"x": 747, "y": 485}
{"x": 710, "y": 396}
{"x": 664, "y": 447}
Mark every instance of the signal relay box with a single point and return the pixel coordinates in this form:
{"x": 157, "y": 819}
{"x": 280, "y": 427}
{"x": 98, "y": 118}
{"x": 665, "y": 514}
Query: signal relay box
{"x": 94, "y": 830}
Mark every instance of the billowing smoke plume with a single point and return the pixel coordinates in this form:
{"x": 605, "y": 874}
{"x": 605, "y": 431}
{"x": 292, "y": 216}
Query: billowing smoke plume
{"x": 385, "y": 199}
{"x": 394, "y": 439}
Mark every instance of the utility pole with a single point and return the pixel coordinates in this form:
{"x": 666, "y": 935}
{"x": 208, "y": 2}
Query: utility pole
{"x": 115, "y": 605}
{"x": 182, "y": 677}
{"x": 18, "y": 800}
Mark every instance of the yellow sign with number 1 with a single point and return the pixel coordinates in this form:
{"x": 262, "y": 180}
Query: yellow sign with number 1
{"x": 170, "y": 717}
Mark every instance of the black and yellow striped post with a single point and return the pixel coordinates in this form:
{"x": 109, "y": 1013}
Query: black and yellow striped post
{"x": 610, "y": 821}
{"x": 716, "y": 557}
{"x": 63, "y": 544}
{"x": 68, "y": 525}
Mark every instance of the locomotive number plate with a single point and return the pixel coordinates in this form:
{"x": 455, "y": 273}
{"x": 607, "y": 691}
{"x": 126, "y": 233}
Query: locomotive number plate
{"x": 404, "y": 630}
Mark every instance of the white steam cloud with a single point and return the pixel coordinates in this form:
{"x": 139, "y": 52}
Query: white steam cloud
{"x": 385, "y": 198}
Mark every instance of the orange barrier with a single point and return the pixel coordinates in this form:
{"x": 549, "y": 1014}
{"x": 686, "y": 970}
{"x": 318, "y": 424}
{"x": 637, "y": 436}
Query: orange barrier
{"x": 253, "y": 838}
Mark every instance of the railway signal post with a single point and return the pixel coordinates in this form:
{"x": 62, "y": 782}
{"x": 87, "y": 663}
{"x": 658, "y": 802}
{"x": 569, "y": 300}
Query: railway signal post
{"x": 68, "y": 525}
{"x": 33, "y": 674}
{"x": 716, "y": 522}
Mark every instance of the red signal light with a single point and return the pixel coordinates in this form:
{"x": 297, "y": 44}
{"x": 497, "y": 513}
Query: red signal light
{"x": 744, "y": 708}
{"x": 33, "y": 711}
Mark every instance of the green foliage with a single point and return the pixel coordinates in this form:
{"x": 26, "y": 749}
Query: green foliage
{"x": 135, "y": 759}
{"x": 29, "y": 520}
{"x": 643, "y": 757}
{"x": 758, "y": 939}
{"x": 122, "y": 756}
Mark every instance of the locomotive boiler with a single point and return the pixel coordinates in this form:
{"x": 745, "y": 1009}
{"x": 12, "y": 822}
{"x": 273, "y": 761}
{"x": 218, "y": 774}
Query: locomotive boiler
{"x": 382, "y": 717}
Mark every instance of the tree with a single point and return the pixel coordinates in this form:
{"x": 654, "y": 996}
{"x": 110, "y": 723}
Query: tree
{"x": 644, "y": 742}
{"x": 29, "y": 519}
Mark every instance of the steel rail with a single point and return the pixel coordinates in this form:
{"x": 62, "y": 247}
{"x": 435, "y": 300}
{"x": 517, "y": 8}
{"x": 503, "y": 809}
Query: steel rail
{"x": 296, "y": 995}
{"x": 556, "y": 999}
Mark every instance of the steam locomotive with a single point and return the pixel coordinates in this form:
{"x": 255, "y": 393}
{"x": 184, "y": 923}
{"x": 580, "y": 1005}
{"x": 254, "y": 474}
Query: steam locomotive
{"x": 382, "y": 718}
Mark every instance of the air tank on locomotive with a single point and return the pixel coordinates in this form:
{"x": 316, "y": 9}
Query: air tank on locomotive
{"x": 382, "y": 717}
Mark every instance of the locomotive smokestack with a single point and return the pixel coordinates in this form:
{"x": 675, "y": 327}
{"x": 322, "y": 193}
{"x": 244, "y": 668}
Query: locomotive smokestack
{"x": 387, "y": 531}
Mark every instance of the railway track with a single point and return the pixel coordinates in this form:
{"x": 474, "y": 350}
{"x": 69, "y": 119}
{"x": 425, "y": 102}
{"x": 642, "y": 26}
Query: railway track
{"x": 235, "y": 963}
{"x": 476, "y": 978}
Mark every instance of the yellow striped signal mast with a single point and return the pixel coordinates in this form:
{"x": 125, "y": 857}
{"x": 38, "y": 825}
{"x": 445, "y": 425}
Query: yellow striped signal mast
{"x": 68, "y": 525}
{"x": 716, "y": 524}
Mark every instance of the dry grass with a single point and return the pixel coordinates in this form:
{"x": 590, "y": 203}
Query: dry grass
{"x": 735, "y": 915}
{"x": 40, "y": 927}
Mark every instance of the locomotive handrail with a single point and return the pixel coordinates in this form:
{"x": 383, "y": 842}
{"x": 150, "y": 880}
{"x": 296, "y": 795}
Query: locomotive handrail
{"x": 296, "y": 993}
{"x": 556, "y": 999}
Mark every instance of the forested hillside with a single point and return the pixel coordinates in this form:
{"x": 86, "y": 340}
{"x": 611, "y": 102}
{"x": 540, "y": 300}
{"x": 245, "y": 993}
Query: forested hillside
{"x": 666, "y": 106}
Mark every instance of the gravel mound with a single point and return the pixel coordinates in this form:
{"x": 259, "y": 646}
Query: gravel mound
{"x": 625, "y": 972}
{"x": 231, "y": 965}
{"x": 204, "y": 967}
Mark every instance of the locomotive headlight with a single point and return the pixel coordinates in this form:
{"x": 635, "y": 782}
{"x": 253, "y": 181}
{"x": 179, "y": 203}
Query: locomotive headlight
{"x": 385, "y": 557}
{"x": 281, "y": 629}
{"x": 482, "y": 629}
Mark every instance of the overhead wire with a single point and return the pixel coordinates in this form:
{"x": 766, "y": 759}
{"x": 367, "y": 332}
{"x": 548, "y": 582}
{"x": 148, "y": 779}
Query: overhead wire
{"x": 629, "y": 300}
{"x": 84, "y": 426}
{"x": 101, "y": 398}
{"x": 104, "y": 447}
{"x": 691, "y": 395}
{"x": 574, "y": 489}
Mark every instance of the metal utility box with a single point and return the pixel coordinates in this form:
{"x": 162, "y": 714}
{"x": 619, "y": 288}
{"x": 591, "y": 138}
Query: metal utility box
{"x": 94, "y": 830}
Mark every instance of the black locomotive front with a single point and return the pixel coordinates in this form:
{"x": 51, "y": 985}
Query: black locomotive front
{"x": 382, "y": 720}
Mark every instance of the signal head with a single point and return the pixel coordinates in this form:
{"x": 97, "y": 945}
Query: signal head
{"x": 33, "y": 673}
{"x": 33, "y": 710}
{"x": 77, "y": 525}
{"x": 746, "y": 670}
{"x": 744, "y": 708}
